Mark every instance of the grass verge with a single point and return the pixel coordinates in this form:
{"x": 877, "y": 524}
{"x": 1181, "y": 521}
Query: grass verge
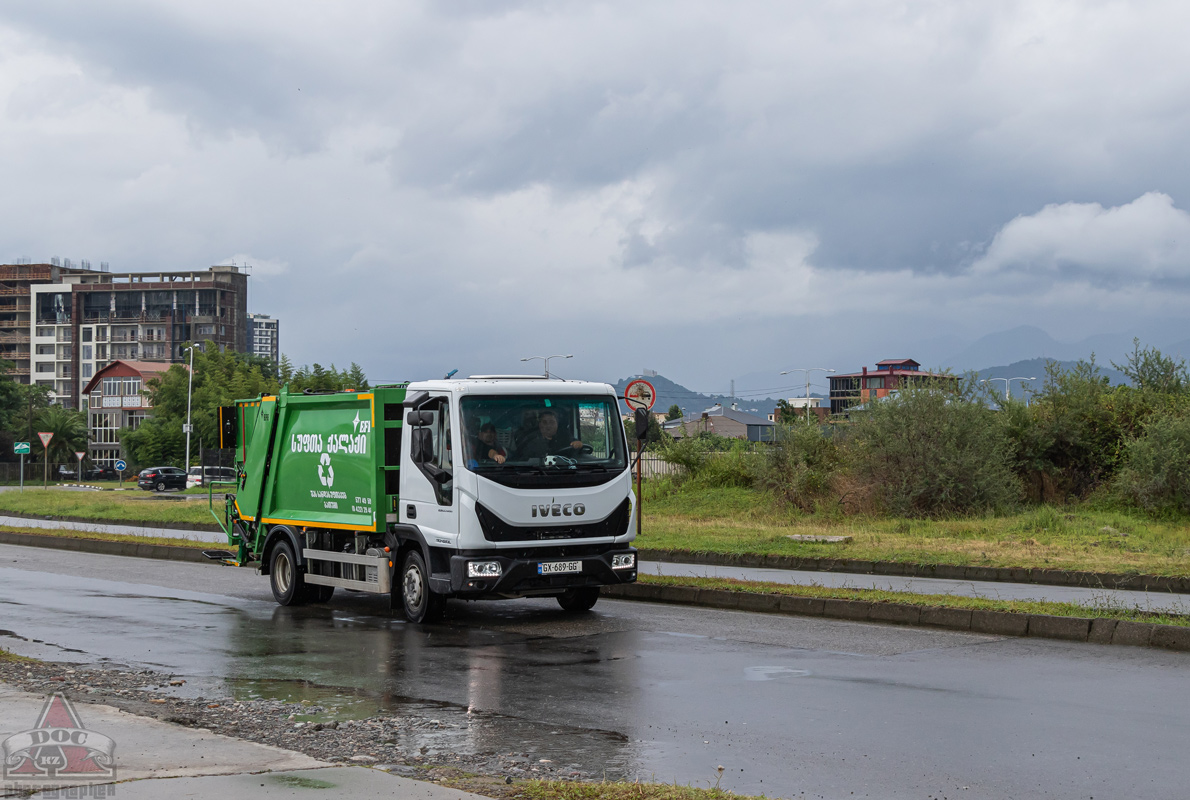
{"x": 116, "y": 506}
{"x": 565, "y": 790}
{"x": 735, "y": 520}
{"x": 1105, "y": 609}
{"x": 112, "y": 537}
{"x": 11, "y": 657}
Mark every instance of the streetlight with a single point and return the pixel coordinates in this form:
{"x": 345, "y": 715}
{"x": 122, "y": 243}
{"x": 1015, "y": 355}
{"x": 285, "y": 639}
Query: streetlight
{"x": 189, "y": 391}
{"x": 546, "y": 359}
{"x": 1007, "y": 381}
{"x": 807, "y": 371}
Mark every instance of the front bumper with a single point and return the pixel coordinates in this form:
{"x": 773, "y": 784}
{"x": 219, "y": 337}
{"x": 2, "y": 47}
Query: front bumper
{"x": 519, "y": 576}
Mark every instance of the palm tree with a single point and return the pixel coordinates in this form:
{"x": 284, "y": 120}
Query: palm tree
{"x": 69, "y": 429}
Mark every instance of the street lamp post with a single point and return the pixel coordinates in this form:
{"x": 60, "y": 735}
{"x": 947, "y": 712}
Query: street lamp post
{"x": 546, "y": 359}
{"x": 189, "y": 392}
{"x": 807, "y": 371}
{"x": 1007, "y": 381}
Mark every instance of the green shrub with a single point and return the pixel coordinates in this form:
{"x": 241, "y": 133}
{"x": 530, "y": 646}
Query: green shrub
{"x": 930, "y": 450}
{"x": 800, "y": 465}
{"x": 712, "y": 461}
{"x": 1156, "y": 471}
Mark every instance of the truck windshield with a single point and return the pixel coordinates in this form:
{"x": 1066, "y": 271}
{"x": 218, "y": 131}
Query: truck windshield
{"x": 542, "y": 433}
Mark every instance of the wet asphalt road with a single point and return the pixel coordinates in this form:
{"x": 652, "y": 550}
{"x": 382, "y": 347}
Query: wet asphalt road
{"x": 790, "y": 707}
{"x": 1150, "y": 601}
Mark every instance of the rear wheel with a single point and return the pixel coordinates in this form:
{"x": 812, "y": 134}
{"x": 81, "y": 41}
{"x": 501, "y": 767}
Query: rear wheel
{"x": 420, "y": 603}
{"x": 579, "y": 600}
{"x": 160, "y": 486}
{"x": 288, "y": 587}
{"x": 319, "y": 594}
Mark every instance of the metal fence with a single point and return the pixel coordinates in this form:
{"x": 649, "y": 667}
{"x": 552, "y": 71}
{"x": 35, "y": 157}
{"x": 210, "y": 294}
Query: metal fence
{"x": 654, "y": 466}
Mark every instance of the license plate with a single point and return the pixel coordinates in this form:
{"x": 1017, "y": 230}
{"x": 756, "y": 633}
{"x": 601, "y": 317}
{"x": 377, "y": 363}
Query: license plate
{"x": 559, "y": 567}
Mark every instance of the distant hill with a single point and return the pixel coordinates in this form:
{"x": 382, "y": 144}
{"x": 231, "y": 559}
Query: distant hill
{"x": 692, "y": 402}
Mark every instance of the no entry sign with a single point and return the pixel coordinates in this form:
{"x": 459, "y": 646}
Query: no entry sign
{"x": 640, "y": 394}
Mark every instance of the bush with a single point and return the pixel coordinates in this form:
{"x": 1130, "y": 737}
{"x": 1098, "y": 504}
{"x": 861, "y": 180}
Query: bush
{"x": 930, "y": 451}
{"x": 711, "y": 461}
{"x": 1156, "y": 471}
{"x": 800, "y": 466}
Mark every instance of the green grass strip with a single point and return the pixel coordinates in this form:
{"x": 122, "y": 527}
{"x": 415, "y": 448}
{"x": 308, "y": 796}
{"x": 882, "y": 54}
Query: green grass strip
{"x": 619, "y": 790}
{"x": 109, "y": 506}
{"x": 1104, "y": 608}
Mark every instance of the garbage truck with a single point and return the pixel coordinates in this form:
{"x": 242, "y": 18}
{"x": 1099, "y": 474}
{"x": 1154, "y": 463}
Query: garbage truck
{"x": 478, "y": 488}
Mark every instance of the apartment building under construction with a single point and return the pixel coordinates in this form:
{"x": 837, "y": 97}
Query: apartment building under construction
{"x": 60, "y": 325}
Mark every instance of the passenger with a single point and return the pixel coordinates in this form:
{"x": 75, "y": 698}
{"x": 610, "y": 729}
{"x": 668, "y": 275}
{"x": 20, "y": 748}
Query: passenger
{"x": 486, "y": 447}
{"x": 547, "y": 441}
{"x": 526, "y": 432}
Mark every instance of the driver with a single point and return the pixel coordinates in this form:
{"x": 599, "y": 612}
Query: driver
{"x": 547, "y": 441}
{"x": 486, "y": 447}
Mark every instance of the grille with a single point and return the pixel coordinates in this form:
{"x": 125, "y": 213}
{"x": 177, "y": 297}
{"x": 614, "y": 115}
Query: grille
{"x": 497, "y": 530}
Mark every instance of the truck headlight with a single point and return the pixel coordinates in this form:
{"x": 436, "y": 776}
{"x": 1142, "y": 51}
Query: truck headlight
{"x": 484, "y": 569}
{"x": 625, "y": 561}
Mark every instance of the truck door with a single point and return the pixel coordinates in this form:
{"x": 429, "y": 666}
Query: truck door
{"x": 428, "y": 496}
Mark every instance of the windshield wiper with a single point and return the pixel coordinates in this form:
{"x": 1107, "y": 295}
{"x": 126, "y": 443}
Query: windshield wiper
{"x": 592, "y": 467}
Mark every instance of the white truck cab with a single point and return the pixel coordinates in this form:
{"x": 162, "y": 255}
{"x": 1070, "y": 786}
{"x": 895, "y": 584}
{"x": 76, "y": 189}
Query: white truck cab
{"x": 513, "y": 487}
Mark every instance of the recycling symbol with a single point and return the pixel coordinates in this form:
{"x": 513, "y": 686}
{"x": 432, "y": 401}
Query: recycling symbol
{"x": 328, "y": 477}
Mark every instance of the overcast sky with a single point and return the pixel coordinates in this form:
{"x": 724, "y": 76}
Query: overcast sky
{"x": 705, "y": 189}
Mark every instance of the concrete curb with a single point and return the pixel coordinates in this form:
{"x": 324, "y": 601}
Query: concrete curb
{"x": 999, "y": 623}
{"x": 132, "y": 523}
{"x": 1049, "y": 577}
{"x": 105, "y": 547}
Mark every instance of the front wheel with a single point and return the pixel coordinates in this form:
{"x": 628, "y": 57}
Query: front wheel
{"x": 579, "y": 600}
{"x": 420, "y": 603}
{"x": 289, "y": 589}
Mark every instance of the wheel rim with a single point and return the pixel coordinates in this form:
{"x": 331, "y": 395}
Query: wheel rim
{"x": 283, "y": 572}
{"x": 413, "y": 586}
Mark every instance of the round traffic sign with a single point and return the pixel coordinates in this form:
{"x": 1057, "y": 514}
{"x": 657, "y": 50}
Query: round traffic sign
{"x": 121, "y": 466}
{"x": 640, "y": 394}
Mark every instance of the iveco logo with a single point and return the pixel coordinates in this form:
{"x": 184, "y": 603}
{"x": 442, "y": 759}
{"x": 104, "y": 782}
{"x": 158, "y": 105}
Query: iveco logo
{"x": 558, "y": 510}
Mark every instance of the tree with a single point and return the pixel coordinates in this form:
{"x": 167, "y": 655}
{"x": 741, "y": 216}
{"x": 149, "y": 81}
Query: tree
{"x": 220, "y": 378}
{"x": 1149, "y": 370}
{"x": 70, "y": 432}
{"x": 675, "y": 412}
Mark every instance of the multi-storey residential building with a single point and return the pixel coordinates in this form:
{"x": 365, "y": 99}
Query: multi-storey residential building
{"x": 889, "y": 375}
{"x": 75, "y": 321}
{"x": 16, "y": 282}
{"x": 115, "y": 399}
{"x": 264, "y": 331}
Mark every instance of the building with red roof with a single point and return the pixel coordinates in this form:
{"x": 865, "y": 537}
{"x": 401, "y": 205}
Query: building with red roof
{"x": 889, "y": 375}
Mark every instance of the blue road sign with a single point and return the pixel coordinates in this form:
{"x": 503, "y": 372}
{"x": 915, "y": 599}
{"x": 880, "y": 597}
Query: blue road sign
{"x": 121, "y": 466}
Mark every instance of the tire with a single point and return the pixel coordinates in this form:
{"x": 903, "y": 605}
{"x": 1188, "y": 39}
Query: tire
{"x": 289, "y": 589}
{"x": 420, "y": 603}
{"x": 579, "y": 600}
{"x": 319, "y": 594}
{"x": 160, "y": 486}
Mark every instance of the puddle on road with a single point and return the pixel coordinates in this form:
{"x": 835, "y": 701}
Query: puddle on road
{"x": 447, "y": 728}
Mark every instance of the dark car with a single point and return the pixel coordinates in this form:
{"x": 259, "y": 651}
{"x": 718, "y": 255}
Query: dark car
{"x": 161, "y": 478}
{"x": 101, "y": 474}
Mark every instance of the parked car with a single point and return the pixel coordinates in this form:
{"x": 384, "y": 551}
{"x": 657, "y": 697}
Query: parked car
{"x": 101, "y": 474}
{"x": 89, "y": 473}
{"x": 199, "y": 475}
{"x": 161, "y": 478}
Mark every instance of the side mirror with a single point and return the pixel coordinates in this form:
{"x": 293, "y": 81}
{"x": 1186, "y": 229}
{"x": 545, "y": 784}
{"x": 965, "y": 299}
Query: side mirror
{"x": 421, "y": 444}
{"x": 640, "y": 419}
{"x": 419, "y": 419}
